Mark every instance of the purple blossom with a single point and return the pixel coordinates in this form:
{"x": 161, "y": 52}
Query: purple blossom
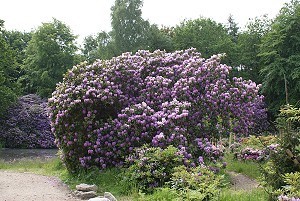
{"x": 27, "y": 125}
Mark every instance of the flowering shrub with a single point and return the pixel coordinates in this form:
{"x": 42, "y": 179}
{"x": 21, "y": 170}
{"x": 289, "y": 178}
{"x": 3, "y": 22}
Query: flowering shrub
{"x": 250, "y": 153}
{"x": 101, "y": 112}
{"x": 26, "y": 124}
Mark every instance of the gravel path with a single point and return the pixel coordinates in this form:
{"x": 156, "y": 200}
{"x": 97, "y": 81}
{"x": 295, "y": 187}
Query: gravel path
{"x": 16, "y": 186}
{"x": 242, "y": 182}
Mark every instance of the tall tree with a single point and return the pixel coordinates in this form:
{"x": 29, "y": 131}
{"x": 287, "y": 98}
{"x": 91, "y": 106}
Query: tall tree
{"x": 247, "y": 60}
{"x": 50, "y": 52}
{"x": 159, "y": 39}
{"x": 280, "y": 55}
{"x": 233, "y": 28}
{"x": 18, "y": 41}
{"x": 98, "y": 47}
{"x": 129, "y": 29}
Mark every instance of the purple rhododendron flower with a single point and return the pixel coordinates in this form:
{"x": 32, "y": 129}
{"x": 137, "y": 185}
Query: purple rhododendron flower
{"x": 154, "y": 98}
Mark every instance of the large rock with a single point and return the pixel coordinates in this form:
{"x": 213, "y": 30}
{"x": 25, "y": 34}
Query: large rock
{"x": 109, "y": 196}
{"x": 85, "y": 195}
{"x": 86, "y": 187}
{"x": 99, "y": 199}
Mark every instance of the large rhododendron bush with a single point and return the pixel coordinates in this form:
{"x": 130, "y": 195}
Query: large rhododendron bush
{"x": 26, "y": 124}
{"x": 101, "y": 112}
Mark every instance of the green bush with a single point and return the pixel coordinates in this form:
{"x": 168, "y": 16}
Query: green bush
{"x": 152, "y": 167}
{"x": 292, "y": 188}
{"x": 280, "y": 163}
{"x": 197, "y": 183}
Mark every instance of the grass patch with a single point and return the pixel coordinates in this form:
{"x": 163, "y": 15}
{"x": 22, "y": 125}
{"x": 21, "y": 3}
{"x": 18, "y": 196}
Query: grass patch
{"x": 249, "y": 168}
{"x": 258, "y": 194}
{"x": 51, "y": 167}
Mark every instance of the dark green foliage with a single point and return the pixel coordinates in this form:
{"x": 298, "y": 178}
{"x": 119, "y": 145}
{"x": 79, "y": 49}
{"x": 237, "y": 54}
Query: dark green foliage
{"x": 50, "y": 52}
{"x": 159, "y": 39}
{"x": 8, "y": 73}
{"x": 232, "y": 29}
{"x": 18, "y": 42}
{"x": 100, "y": 46}
{"x": 206, "y": 35}
{"x": 280, "y": 55}
{"x": 248, "y": 43}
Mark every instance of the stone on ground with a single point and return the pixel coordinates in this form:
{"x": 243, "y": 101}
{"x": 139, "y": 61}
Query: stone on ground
{"x": 86, "y": 187}
{"x": 84, "y": 195}
{"x": 98, "y": 199}
{"x": 109, "y": 196}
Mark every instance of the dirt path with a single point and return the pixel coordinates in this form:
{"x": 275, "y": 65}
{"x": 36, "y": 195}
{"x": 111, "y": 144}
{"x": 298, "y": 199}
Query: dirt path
{"x": 16, "y": 186}
{"x": 242, "y": 182}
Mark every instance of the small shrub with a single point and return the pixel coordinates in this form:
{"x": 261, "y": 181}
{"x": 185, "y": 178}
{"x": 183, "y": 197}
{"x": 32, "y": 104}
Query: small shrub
{"x": 291, "y": 191}
{"x": 280, "y": 163}
{"x": 152, "y": 167}
{"x": 197, "y": 183}
{"x": 26, "y": 124}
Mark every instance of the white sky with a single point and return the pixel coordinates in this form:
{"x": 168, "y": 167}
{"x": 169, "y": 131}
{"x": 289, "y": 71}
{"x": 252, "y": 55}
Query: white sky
{"x": 86, "y": 17}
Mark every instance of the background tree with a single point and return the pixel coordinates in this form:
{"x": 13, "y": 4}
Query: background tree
{"x": 248, "y": 42}
{"x": 50, "y": 52}
{"x": 206, "y": 35}
{"x": 98, "y": 47}
{"x": 159, "y": 39}
{"x": 280, "y": 55}
{"x": 129, "y": 29}
{"x": 18, "y": 41}
{"x": 233, "y": 28}
{"x": 8, "y": 86}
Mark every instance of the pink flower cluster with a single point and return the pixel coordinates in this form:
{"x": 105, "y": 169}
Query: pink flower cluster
{"x": 101, "y": 112}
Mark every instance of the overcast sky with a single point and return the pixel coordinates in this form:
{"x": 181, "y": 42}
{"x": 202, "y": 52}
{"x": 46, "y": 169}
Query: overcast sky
{"x": 86, "y": 17}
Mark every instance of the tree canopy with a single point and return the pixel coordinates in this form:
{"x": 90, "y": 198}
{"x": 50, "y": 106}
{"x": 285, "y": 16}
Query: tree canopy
{"x": 129, "y": 29}
{"x": 280, "y": 56}
{"x": 204, "y": 34}
{"x": 50, "y": 52}
{"x": 8, "y": 86}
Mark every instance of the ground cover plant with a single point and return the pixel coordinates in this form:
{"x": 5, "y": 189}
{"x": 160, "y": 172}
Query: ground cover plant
{"x": 101, "y": 112}
{"x": 26, "y": 124}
